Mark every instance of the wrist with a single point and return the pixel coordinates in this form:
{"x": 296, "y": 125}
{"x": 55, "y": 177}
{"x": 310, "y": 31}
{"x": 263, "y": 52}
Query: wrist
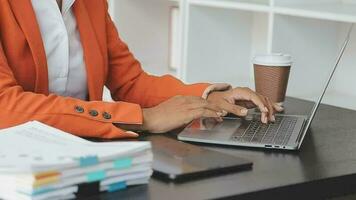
{"x": 145, "y": 115}
{"x": 215, "y": 87}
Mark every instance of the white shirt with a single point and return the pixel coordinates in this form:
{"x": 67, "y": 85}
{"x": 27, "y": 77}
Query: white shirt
{"x": 64, "y": 51}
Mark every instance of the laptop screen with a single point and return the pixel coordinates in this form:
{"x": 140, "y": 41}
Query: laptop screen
{"x": 332, "y": 72}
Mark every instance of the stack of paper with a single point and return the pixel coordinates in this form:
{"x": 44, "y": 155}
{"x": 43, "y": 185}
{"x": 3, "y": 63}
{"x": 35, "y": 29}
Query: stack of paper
{"x": 40, "y": 162}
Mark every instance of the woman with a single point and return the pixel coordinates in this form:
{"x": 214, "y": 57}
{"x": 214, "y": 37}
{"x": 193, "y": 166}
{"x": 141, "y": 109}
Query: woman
{"x": 56, "y": 56}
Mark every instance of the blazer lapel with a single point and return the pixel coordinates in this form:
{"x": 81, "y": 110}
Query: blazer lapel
{"x": 94, "y": 60}
{"x": 26, "y": 18}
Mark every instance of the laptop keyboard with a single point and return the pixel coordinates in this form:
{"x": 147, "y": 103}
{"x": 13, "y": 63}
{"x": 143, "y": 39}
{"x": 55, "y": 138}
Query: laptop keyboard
{"x": 277, "y": 133}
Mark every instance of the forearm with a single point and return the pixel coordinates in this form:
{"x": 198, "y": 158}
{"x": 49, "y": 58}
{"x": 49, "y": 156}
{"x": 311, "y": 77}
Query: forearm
{"x": 149, "y": 91}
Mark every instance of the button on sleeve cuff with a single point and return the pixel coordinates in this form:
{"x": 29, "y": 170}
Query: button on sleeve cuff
{"x": 110, "y": 112}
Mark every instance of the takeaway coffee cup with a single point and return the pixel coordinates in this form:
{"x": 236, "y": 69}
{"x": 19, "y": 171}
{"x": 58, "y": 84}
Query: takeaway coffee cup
{"x": 271, "y": 75}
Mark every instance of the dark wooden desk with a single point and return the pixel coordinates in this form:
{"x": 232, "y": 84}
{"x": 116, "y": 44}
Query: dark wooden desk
{"x": 324, "y": 167}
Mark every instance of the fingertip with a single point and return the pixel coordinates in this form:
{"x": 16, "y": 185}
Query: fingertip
{"x": 224, "y": 112}
{"x": 132, "y": 134}
{"x": 264, "y": 119}
{"x": 244, "y": 111}
{"x": 278, "y": 107}
{"x": 279, "y": 104}
{"x": 241, "y": 112}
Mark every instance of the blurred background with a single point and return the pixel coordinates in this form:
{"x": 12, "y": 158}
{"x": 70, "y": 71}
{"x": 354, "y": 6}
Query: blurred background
{"x": 215, "y": 40}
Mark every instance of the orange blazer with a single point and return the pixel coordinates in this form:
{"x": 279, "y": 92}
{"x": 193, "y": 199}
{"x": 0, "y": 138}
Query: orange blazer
{"x": 24, "y": 92}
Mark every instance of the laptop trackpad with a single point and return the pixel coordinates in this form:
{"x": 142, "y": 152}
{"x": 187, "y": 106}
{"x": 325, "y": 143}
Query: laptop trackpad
{"x": 209, "y": 128}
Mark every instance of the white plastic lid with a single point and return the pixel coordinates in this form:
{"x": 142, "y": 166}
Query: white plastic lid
{"x": 274, "y": 59}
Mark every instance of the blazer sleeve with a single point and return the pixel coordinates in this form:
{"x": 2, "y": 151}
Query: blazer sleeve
{"x": 128, "y": 82}
{"x": 68, "y": 114}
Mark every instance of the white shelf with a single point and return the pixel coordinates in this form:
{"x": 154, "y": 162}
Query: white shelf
{"x": 218, "y": 38}
{"x": 175, "y": 2}
{"x": 344, "y": 12}
{"x": 253, "y": 5}
{"x": 335, "y": 11}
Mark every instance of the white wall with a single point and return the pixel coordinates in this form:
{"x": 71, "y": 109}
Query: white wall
{"x": 216, "y": 52}
{"x": 313, "y": 45}
{"x": 144, "y": 26}
{"x": 344, "y": 82}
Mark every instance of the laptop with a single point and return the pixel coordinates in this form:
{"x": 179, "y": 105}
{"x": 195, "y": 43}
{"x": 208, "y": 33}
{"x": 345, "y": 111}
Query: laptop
{"x": 287, "y": 132}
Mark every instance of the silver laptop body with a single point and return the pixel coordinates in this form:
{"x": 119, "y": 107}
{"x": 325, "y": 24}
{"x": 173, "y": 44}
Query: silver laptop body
{"x": 287, "y": 132}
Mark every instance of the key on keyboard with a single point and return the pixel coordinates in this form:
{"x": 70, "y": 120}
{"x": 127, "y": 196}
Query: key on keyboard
{"x": 278, "y": 132}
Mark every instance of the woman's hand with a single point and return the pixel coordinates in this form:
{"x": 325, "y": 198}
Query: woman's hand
{"x": 238, "y": 100}
{"x": 177, "y": 112}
